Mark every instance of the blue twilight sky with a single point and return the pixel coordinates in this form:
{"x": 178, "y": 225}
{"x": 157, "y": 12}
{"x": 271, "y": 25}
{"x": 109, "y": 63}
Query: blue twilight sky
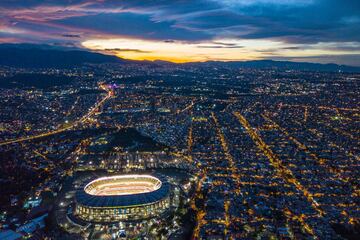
{"x": 191, "y": 30}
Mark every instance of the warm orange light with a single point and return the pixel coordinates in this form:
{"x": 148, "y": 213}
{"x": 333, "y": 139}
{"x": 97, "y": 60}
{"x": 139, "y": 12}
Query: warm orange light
{"x": 220, "y": 49}
{"x": 177, "y": 51}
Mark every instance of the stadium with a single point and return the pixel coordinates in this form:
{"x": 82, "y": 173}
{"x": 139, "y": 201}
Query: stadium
{"x": 122, "y": 198}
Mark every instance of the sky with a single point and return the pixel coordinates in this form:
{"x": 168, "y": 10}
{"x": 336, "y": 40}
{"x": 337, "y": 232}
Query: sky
{"x": 191, "y": 30}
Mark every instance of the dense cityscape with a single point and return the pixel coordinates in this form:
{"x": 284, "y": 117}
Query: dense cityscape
{"x": 249, "y": 153}
{"x": 179, "y": 120}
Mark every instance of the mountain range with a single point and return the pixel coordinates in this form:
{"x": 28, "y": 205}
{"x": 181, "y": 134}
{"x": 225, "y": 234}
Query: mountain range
{"x": 46, "y": 56}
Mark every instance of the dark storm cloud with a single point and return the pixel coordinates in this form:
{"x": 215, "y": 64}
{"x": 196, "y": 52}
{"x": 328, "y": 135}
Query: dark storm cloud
{"x": 322, "y": 21}
{"x": 291, "y": 21}
{"x": 134, "y": 25}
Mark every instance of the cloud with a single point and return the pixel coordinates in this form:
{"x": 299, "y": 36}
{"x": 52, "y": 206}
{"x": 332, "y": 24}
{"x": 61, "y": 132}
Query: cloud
{"x": 296, "y": 21}
{"x": 71, "y": 35}
{"x": 224, "y": 43}
{"x": 169, "y": 41}
{"x": 65, "y": 44}
{"x": 116, "y": 50}
{"x": 132, "y": 25}
{"x": 217, "y": 46}
{"x": 298, "y": 24}
{"x": 234, "y": 3}
{"x": 291, "y": 48}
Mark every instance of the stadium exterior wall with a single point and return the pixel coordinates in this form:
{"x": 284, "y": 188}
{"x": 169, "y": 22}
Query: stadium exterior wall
{"x": 132, "y": 207}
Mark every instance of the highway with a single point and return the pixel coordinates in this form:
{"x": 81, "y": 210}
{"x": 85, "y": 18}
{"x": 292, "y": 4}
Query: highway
{"x": 187, "y": 107}
{"x": 62, "y": 129}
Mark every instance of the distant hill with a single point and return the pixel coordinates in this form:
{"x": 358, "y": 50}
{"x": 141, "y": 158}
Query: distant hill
{"x": 284, "y": 65}
{"x": 43, "y": 56}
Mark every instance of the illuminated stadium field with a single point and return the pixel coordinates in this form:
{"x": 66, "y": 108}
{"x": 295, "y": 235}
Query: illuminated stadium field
{"x": 123, "y": 185}
{"x": 122, "y": 197}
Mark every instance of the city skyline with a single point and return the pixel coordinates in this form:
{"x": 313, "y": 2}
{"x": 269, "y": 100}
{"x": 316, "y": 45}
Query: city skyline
{"x": 183, "y": 119}
{"x": 186, "y": 31}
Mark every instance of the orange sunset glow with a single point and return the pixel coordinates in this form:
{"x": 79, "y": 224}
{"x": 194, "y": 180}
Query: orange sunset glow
{"x": 219, "y": 50}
